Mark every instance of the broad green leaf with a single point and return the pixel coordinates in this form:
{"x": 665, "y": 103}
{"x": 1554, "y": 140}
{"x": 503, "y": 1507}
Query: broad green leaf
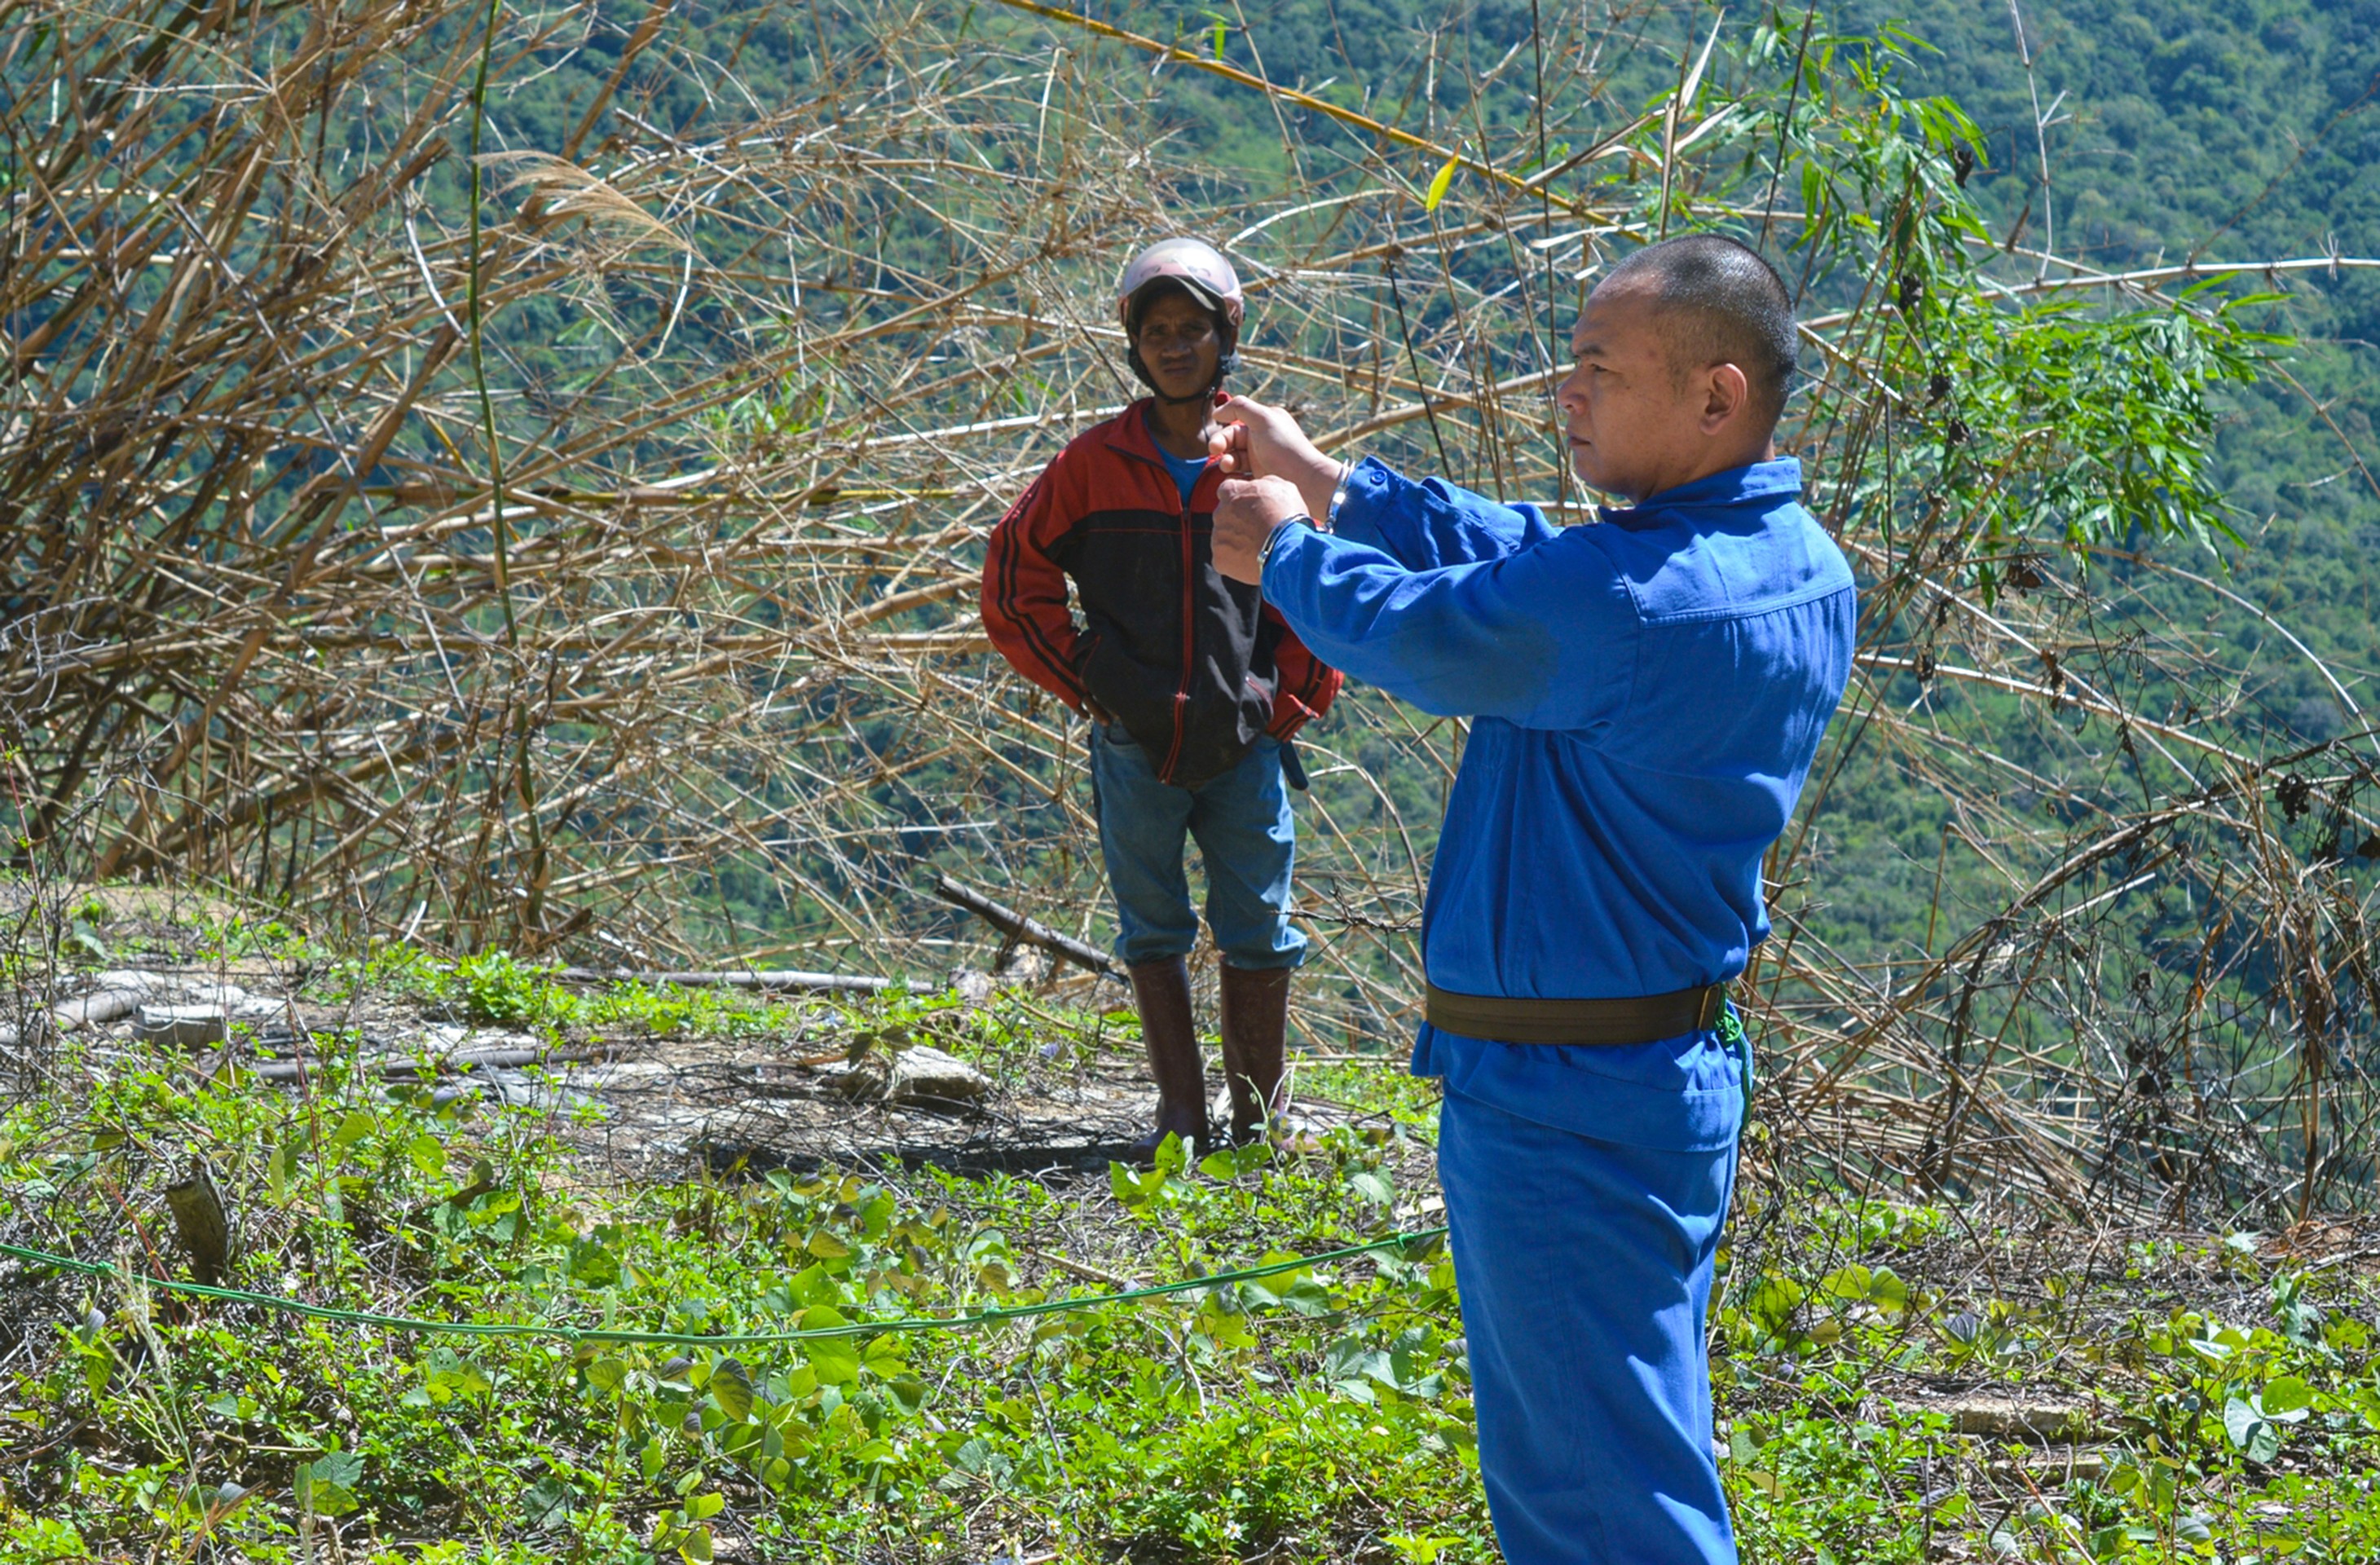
{"x": 1271, "y": 1289}
{"x": 2287, "y": 1400}
{"x": 2251, "y": 1432}
{"x": 883, "y": 1356}
{"x": 592, "y": 1266}
{"x": 1773, "y": 1303}
{"x": 835, "y": 1359}
{"x": 327, "y": 1484}
{"x": 2367, "y": 1403}
{"x": 547, "y": 1504}
{"x": 813, "y": 1285}
{"x": 1125, "y": 1185}
{"x": 447, "y": 1375}
{"x": 730, "y": 1388}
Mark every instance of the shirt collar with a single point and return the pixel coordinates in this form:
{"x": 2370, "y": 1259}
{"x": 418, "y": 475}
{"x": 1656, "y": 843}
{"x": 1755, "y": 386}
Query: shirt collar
{"x": 1779, "y": 480}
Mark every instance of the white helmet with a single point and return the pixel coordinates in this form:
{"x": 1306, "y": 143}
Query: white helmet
{"x": 1196, "y": 266}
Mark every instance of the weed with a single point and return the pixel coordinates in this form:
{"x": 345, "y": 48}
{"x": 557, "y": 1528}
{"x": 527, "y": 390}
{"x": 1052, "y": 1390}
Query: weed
{"x": 1321, "y": 1414}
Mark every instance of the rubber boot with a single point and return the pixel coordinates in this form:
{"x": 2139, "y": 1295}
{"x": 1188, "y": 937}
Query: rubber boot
{"x": 1255, "y": 1029}
{"x": 1162, "y": 990}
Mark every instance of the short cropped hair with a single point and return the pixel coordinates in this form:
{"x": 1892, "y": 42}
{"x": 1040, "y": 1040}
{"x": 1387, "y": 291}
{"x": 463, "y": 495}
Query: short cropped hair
{"x": 1725, "y": 305}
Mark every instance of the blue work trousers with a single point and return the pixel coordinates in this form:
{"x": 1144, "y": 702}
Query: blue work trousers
{"x": 1585, "y": 1270}
{"x": 1248, "y": 843}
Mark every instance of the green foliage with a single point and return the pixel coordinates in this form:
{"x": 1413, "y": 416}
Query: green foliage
{"x": 493, "y": 987}
{"x": 1300, "y": 1412}
{"x": 498, "y": 989}
{"x": 379, "y": 1197}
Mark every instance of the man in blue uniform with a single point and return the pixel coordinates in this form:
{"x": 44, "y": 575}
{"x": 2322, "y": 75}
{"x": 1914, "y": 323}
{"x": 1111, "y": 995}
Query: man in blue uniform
{"x": 1646, "y": 696}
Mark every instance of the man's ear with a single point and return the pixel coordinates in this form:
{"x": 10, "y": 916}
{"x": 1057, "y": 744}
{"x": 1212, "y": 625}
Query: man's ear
{"x": 1727, "y": 393}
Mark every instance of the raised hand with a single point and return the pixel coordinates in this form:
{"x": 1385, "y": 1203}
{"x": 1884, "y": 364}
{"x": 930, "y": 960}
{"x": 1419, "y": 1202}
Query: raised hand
{"x": 1254, "y": 440}
{"x": 1228, "y": 446}
{"x": 1245, "y": 515}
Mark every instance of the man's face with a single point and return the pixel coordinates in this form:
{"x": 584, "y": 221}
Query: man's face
{"x": 1631, "y": 424}
{"x": 1178, "y": 342}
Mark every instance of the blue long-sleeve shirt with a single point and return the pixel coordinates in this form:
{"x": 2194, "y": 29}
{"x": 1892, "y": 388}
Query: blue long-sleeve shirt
{"x": 1647, "y": 696}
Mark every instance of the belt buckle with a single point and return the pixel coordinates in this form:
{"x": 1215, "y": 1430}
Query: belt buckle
{"x": 1713, "y": 1002}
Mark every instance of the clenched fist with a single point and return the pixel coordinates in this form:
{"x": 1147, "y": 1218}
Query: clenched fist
{"x": 1246, "y": 516}
{"x": 1253, "y": 441}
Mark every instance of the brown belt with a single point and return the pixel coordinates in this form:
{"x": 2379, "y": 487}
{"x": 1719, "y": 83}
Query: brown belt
{"x": 1639, "y": 1019}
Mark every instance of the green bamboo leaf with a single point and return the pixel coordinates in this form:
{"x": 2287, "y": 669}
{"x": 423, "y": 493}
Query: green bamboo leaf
{"x": 1438, "y": 187}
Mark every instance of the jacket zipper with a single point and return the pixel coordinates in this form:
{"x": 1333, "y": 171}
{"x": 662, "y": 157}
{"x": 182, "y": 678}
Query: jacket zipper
{"x": 1189, "y": 649}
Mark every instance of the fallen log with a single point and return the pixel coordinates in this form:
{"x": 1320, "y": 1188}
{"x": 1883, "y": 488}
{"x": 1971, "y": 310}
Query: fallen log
{"x": 742, "y": 979}
{"x": 1018, "y": 927}
{"x": 100, "y": 1007}
{"x": 408, "y": 1068}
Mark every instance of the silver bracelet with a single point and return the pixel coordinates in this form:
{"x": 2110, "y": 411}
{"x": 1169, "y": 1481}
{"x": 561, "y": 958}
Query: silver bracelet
{"x": 1264, "y": 552}
{"x": 1337, "y": 496}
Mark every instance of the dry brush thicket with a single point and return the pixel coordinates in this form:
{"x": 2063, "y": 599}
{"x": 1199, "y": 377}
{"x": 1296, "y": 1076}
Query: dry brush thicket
{"x": 570, "y": 578}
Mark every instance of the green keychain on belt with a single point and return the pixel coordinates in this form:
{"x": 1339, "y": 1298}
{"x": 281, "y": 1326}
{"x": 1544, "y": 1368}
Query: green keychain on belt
{"x": 1731, "y": 1032}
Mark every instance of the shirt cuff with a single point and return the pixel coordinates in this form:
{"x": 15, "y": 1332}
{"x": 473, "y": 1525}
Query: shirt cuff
{"x": 1288, "y": 540}
{"x": 1368, "y": 488}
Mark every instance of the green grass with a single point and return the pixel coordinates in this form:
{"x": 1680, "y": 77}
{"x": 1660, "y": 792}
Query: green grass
{"x": 1322, "y": 1415}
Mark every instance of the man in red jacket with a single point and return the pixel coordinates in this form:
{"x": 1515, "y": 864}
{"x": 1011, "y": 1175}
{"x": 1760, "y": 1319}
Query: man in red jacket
{"x": 1193, "y": 685}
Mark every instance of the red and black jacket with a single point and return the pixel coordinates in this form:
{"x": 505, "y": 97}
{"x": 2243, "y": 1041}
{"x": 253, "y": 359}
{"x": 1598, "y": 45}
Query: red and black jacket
{"x": 1194, "y": 666}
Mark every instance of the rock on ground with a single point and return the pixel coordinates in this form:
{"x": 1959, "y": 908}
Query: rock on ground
{"x": 923, "y": 1076}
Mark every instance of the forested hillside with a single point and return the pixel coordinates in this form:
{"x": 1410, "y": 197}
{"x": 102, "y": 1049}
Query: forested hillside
{"x": 2168, "y": 137}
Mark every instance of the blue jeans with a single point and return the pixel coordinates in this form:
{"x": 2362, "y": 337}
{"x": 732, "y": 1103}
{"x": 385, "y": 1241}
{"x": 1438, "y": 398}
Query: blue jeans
{"x": 1248, "y": 843}
{"x": 1584, "y": 1273}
